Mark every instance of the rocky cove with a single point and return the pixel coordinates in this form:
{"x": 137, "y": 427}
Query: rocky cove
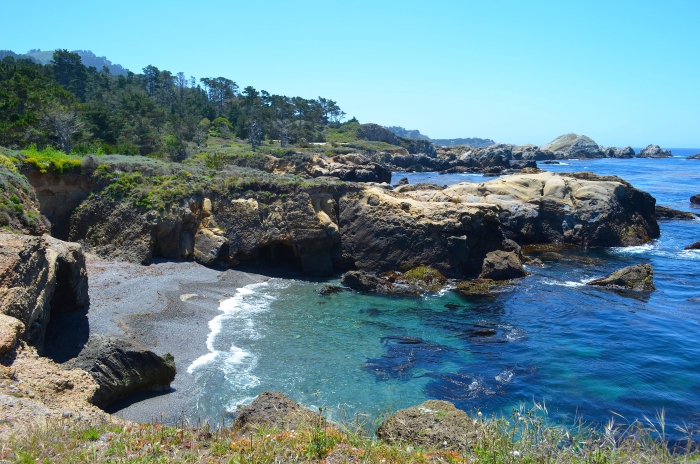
{"x": 319, "y": 229}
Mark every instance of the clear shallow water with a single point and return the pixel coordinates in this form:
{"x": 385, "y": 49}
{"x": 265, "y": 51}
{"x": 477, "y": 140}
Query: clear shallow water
{"x": 586, "y": 352}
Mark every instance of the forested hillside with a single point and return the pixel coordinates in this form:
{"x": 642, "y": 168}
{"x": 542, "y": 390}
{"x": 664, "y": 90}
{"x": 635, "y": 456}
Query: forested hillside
{"x": 82, "y": 109}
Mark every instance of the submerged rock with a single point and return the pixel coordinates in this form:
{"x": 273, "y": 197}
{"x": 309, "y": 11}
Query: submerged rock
{"x": 274, "y": 410}
{"x": 654, "y": 151}
{"x": 693, "y": 246}
{"x": 639, "y": 278}
{"x": 479, "y": 287}
{"x": 330, "y": 290}
{"x": 662, "y": 212}
{"x": 502, "y": 265}
{"x": 431, "y": 424}
{"x": 122, "y": 367}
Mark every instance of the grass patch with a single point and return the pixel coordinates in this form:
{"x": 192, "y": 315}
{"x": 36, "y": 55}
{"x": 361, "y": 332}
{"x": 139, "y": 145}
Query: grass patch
{"x": 50, "y": 159}
{"x": 525, "y": 436}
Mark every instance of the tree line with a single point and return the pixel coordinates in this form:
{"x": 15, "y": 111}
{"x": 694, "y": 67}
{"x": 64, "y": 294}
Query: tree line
{"x": 81, "y": 109}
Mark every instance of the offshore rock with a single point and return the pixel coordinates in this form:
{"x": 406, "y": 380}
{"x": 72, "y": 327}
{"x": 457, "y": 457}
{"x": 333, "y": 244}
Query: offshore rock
{"x": 40, "y": 276}
{"x": 693, "y": 246}
{"x": 121, "y": 368}
{"x": 663, "y": 212}
{"x": 694, "y": 157}
{"x": 638, "y": 278}
{"x": 695, "y": 199}
{"x": 654, "y": 151}
{"x": 431, "y": 424}
{"x": 273, "y": 410}
{"x": 414, "y": 282}
{"x": 574, "y": 146}
{"x": 575, "y": 208}
{"x": 502, "y": 265}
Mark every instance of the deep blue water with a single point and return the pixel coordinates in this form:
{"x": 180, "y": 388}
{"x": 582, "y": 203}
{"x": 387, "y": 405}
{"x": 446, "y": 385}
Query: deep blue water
{"x": 586, "y": 352}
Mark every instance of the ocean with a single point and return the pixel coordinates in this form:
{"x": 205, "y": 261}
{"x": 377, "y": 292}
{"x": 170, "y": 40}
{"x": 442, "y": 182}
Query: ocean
{"x": 588, "y": 354}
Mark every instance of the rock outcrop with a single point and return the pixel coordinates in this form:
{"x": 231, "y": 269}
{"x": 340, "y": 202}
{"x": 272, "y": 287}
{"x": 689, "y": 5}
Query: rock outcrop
{"x": 431, "y": 424}
{"x": 638, "y": 278}
{"x": 502, "y": 265}
{"x": 11, "y": 329}
{"x": 577, "y": 208}
{"x": 121, "y": 368}
{"x": 694, "y": 157}
{"x": 654, "y": 151}
{"x": 19, "y": 207}
{"x": 40, "y": 276}
{"x": 273, "y": 410}
{"x": 352, "y": 167}
{"x": 574, "y": 146}
{"x": 385, "y": 231}
{"x": 695, "y": 199}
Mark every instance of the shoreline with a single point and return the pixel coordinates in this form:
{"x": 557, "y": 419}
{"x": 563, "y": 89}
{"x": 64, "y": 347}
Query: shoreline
{"x": 167, "y": 308}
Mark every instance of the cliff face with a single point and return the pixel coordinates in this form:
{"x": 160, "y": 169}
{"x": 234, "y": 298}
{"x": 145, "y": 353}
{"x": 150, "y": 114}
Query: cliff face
{"x": 40, "y": 276}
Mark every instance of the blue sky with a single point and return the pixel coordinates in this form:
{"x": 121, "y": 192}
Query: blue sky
{"x": 621, "y": 72}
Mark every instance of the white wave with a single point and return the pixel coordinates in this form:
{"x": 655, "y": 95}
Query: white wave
{"x": 566, "y": 283}
{"x": 633, "y": 250}
{"x": 241, "y": 306}
{"x": 505, "y": 376}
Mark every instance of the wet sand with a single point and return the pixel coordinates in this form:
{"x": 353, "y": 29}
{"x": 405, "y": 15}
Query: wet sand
{"x": 166, "y": 307}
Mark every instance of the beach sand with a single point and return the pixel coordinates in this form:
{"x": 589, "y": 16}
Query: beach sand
{"x": 166, "y": 307}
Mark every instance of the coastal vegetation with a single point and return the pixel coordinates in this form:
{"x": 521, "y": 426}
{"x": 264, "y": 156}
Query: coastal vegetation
{"x": 525, "y": 436}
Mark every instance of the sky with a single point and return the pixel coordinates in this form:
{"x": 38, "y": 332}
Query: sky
{"x": 621, "y": 72}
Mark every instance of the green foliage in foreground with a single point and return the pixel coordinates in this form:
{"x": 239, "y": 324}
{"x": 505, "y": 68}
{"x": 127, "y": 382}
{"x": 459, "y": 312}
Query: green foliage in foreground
{"x": 50, "y": 159}
{"x": 17, "y": 212}
{"x": 525, "y": 437}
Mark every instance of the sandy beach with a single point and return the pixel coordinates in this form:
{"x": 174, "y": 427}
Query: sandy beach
{"x": 166, "y": 307}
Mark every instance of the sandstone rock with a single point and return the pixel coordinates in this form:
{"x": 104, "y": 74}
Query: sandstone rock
{"x": 273, "y": 410}
{"x": 662, "y": 212}
{"x": 121, "y": 368}
{"x": 207, "y": 246}
{"x": 654, "y": 151}
{"x": 693, "y": 246}
{"x": 38, "y": 276}
{"x": 695, "y": 199}
{"x": 502, "y": 265}
{"x": 10, "y": 331}
{"x": 576, "y": 208}
{"x": 431, "y": 424}
{"x": 638, "y": 278}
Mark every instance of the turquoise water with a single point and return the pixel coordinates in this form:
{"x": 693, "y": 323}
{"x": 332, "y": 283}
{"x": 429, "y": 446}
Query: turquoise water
{"x": 586, "y": 352}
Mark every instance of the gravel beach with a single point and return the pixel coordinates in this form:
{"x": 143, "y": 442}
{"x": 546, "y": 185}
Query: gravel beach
{"x": 166, "y": 307}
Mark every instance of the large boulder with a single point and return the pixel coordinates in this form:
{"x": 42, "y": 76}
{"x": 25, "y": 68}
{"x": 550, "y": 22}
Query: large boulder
{"x": 384, "y": 231}
{"x": 40, "y": 276}
{"x": 502, "y": 265}
{"x": 122, "y": 368}
{"x": 695, "y": 199}
{"x": 654, "y": 151}
{"x": 431, "y": 424}
{"x": 273, "y": 410}
{"x": 638, "y": 278}
{"x": 575, "y": 208}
